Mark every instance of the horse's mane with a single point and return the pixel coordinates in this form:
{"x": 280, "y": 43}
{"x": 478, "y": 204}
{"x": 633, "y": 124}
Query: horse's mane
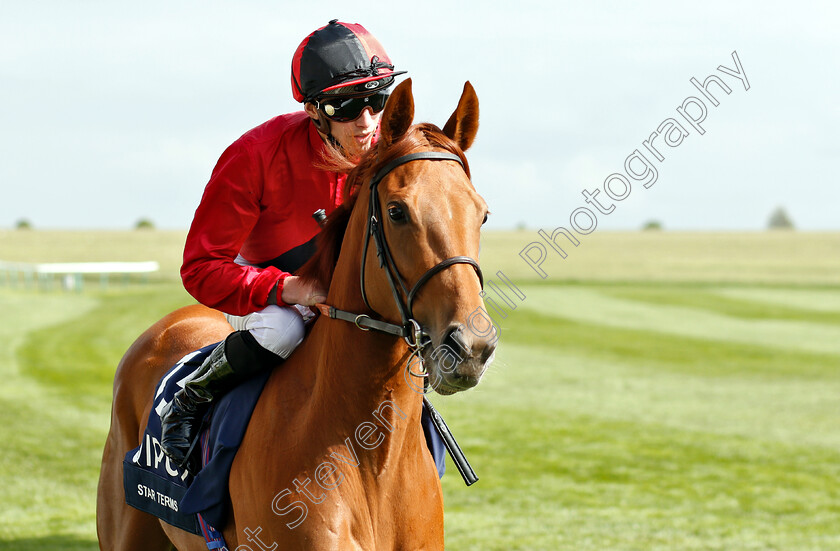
{"x": 422, "y": 136}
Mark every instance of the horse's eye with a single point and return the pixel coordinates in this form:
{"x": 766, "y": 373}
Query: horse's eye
{"x": 485, "y": 218}
{"x": 396, "y": 213}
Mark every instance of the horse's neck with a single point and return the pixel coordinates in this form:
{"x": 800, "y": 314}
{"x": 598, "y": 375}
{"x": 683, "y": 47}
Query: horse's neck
{"x": 360, "y": 374}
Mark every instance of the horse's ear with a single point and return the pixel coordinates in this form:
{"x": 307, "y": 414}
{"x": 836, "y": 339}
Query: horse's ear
{"x": 462, "y": 126}
{"x": 398, "y": 115}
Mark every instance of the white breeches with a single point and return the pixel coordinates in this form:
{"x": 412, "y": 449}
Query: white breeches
{"x": 278, "y": 329}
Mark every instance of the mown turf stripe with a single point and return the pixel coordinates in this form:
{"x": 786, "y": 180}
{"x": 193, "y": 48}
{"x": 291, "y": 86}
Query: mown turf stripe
{"x": 813, "y": 298}
{"x": 682, "y": 354}
{"x": 770, "y": 304}
{"x": 592, "y": 306}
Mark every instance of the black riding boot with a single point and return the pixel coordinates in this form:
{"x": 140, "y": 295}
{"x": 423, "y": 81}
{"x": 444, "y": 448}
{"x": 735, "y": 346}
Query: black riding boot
{"x": 230, "y": 363}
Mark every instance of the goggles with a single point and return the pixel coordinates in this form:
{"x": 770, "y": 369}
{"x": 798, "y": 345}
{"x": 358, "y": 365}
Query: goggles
{"x": 349, "y": 109}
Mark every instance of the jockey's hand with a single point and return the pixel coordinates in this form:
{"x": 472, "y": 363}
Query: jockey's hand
{"x": 298, "y": 291}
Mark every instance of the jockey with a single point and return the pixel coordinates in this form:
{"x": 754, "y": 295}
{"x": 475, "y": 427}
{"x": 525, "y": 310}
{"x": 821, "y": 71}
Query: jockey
{"x": 254, "y": 225}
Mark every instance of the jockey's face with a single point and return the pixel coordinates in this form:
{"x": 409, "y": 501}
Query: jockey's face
{"x": 356, "y": 136}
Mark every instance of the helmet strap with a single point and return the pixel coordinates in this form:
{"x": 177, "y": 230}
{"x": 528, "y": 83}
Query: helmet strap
{"x": 323, "y": 125}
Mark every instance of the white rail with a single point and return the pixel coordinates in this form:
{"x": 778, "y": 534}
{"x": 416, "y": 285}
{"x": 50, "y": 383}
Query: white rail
{"x": 15, "y": 274}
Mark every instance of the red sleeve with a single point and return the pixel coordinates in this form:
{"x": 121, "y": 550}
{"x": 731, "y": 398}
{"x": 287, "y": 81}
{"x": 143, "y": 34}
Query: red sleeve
{"x": 223, "y": 220}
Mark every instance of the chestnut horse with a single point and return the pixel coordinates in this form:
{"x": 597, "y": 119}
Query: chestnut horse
{"x": 335, "y": 456}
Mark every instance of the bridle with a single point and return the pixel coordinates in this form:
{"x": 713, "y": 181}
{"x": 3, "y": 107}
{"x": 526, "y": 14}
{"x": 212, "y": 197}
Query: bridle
{"x": 375, "y": 229}
{"x": 410, "y": 329}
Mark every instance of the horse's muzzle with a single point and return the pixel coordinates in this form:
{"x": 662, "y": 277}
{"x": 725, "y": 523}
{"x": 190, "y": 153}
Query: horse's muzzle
{"x": 460, "y": 360}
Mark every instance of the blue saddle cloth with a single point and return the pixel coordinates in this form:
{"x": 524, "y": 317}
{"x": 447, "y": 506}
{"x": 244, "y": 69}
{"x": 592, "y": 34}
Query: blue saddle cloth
{"x": 198, "y": 503}
{"x": 154, "y": 485}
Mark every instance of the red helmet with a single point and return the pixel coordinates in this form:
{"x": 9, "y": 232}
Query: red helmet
{"x": 340, "y": 57}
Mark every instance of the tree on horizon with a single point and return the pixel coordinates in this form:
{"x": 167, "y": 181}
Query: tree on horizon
{"x": 779, "y": 220}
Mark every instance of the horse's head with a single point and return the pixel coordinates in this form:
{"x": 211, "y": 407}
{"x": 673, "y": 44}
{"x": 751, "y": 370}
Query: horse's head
{"x": 420, "y": 217}
{"x": 431, "y": 217}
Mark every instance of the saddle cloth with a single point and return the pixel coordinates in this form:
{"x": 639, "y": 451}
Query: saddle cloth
{"x": 154, "y": 485}
{"x": 198, "y": 503}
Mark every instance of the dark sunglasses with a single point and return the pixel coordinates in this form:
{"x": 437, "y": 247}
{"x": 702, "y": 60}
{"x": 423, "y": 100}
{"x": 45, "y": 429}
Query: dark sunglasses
{"x": 349, "y": 109}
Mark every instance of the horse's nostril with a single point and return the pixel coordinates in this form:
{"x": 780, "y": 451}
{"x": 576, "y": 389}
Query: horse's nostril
{"x": 454, "y": 340}
{"x": 487, "y": 351}
{"x": 466, "y": 346}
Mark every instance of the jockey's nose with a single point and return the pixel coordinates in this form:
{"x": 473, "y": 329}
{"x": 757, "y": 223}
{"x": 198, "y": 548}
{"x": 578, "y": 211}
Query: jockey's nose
{"x": 366, "y": 118}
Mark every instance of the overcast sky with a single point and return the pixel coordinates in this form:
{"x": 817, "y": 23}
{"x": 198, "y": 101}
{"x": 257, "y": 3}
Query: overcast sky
{"x": 115, "y": 111}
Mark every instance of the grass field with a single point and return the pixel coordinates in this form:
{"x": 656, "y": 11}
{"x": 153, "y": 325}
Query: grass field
{"x": 658, "y": 391}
